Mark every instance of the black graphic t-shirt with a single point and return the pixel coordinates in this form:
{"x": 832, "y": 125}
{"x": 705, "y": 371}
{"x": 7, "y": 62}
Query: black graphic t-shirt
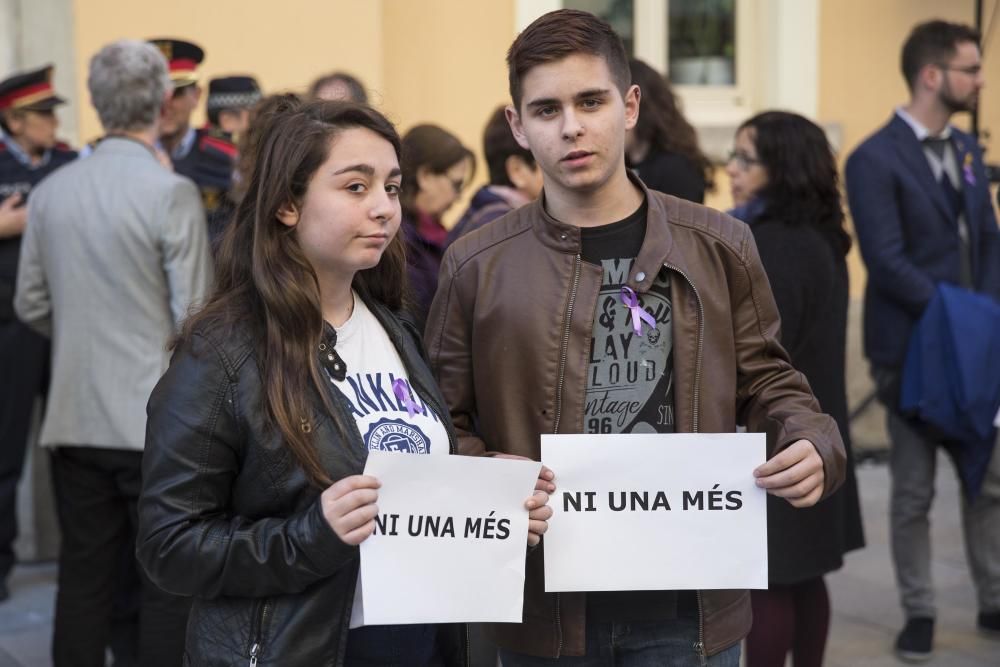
{"x": 630, "y": 379}
{"x": 629, "y": 384}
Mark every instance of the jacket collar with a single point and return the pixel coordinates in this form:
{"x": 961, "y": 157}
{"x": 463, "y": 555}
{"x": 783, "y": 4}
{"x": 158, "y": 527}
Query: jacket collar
{"x": 912, "y": 157}
{"x": 22, "y": 156}
{"x": 918, "y": 128}
{"x": 119, "y": 145}
{"x": 656, "y": 246}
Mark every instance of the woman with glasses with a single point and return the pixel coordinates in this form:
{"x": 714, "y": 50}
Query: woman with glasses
{"x": 784, "y": 184}
{"x": 436, "y": 168}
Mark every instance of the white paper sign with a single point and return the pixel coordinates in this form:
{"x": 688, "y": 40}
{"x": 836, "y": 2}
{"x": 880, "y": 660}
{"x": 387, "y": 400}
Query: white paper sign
{"x": 450, "y": 540}
{"x": 655, "y": 512}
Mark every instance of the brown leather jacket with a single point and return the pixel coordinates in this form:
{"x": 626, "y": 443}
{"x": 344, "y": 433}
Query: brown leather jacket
{"x": 509, "y": 336}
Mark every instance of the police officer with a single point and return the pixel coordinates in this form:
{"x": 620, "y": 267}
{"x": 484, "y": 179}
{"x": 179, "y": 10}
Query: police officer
{"x": 28, "y": 153}
{"x": 230, "y": 99}
{"x": 206, "y": 155}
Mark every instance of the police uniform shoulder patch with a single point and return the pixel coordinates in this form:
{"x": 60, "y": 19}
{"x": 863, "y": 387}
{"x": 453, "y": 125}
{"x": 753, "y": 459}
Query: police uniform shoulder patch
{"x": 215, "y": 144}
{"x": 212, "y": 131}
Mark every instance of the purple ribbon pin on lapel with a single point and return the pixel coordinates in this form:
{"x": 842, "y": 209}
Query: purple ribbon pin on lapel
{"x": 970, "y": 176}
{"x": 402, "y": 392}
{"x": 639, "y": 315}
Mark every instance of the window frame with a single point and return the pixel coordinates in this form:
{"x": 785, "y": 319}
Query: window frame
{"x": 776, "y": 58}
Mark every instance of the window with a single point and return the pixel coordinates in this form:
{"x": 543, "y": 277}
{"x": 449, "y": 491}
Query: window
{"x": 703, "y": 46}
{"x": 727, "y": 59}
{"x": 619, "y": 13}
{"x": 701, "y": 50}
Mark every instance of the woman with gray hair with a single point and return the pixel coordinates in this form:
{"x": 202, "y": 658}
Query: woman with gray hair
{"x": 116, "y": 252}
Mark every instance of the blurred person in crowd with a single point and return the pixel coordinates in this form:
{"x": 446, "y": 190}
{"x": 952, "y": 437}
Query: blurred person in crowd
{"x": 784, "y": 181}
{"x": 663, "y": 147}
{"x": 515, "y": 179}
{"x": 338, "y": 86}
{"x": 534, "y": 310}
{"x": 436, "y": 168}
{"x": 247, "y": 147}
{"x": 229, "y": 105}
{"x": 230, "y": 99}
{"x": 205, "y": 155}
{"x": 232, "y": 451}
{"x": 921, "y": 206}
{"x": 29, "y": 152}
{"x": 115, "y": 254}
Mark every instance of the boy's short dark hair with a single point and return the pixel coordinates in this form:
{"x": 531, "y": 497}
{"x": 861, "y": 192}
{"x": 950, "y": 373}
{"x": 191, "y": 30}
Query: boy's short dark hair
{"x": 933, "y": 42}
{"x": 498, "y": 145}
{"x": 562, "y": 33}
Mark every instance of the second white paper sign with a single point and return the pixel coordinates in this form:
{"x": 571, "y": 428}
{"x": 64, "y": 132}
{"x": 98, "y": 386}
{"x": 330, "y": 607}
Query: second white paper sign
{"x": 655, "y": 512}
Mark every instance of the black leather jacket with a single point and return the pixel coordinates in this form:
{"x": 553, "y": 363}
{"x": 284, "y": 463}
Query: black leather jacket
{"x": 228, "y": 517}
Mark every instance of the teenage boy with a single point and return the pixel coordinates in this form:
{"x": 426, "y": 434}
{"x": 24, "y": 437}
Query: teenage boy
{"x": 528, "y": 328}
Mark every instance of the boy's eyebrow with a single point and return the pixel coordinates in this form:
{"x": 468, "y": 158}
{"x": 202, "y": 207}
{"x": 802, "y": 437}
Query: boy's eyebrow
{"x": 543, "y": 102}
{"x": 583, "y": 94}
{"x": 593, "y": 92}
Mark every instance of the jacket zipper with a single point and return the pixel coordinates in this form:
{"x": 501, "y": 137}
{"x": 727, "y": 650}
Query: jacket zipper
{"x": 699, "y": 646}
{"x": 257, "y": 633}
{"x": 695, "y": 403}
{"x": 565, "y": 342}
{"x": 559, "y": 396}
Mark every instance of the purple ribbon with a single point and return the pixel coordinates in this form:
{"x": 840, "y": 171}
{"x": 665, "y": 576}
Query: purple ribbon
{"x": 402, "y": 392}
{"x": 639, "y": 315}
{"x": 970, "y": 177}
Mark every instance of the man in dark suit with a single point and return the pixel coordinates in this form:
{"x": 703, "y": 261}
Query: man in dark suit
{"x": 920, "y": 199}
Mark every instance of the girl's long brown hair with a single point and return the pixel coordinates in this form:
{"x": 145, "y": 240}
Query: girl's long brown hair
{"x": 662, "y": 123}
{"x": 263, "y": 280}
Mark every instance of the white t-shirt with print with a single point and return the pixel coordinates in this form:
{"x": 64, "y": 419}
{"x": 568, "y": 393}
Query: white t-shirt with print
{"x": 373, "y": 364}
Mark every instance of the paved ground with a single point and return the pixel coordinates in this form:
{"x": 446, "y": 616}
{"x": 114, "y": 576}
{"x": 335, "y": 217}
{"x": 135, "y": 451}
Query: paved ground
{"x": 866, "y": 616}
{"x": 866, "y": 612}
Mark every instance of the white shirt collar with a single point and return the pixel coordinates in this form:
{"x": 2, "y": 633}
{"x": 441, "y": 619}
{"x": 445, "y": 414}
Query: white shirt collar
{"x": 184, "y": 146}
{"x": 918, "y": 127}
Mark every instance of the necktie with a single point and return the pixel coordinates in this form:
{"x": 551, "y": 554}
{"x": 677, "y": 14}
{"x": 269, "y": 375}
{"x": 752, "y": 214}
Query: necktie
{"x": 956, "y": 203}
{"x": 951, "y": 194}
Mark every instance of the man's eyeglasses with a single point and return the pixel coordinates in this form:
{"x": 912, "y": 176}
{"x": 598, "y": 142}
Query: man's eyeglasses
{"x": 971, "y": 70}
{"x": 742, "y": 159}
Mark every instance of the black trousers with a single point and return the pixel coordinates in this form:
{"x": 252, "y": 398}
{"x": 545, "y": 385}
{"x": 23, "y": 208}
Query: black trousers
{"x": 96, "y": 495}
{"x": 24, "y": 368}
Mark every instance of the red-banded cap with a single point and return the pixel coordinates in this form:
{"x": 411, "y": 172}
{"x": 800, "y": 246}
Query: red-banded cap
{"x": 32, "y": 91}
{"x": 182, "y": 57}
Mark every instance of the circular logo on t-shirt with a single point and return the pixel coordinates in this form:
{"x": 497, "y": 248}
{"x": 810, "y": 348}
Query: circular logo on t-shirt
{"x": 395, "y": 435}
